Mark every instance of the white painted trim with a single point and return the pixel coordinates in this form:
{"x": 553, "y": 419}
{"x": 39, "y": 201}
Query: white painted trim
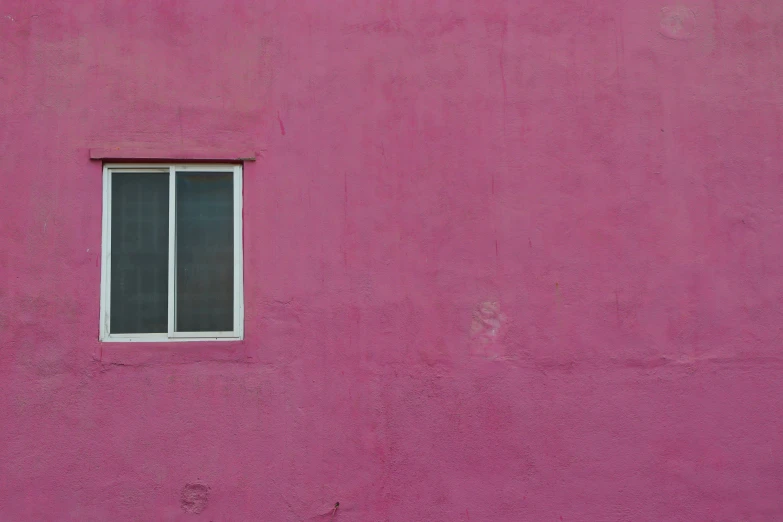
{"x": 163, "y": 338}
{"x": 172, "y": 250}
{"x": 105, "y": 255}
{"x": 165, "y": 167}
{"x": 172, "y": 335}
{"x": 197, "y": 335}
{"x": 239, "y": 256}
{"x": 198, "y": 167}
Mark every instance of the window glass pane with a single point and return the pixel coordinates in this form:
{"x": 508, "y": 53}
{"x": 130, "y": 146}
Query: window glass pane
{"x": 205, "y": 252}
{"x": 139, "y": 252}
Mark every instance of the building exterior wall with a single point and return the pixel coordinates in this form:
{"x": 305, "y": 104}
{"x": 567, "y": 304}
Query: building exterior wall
{"x": 503, "y": 261}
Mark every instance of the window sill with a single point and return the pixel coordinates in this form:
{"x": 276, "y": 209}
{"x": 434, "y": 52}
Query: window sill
{"x": 163, "y": 338}
{"x": 154, "y": 353}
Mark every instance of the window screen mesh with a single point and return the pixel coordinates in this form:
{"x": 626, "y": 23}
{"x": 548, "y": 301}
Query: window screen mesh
{"x": 139, "y": 252}
{"x": 205, "y": 252}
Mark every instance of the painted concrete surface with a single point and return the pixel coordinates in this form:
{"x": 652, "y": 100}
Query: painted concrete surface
{"x": 504, "y": 261}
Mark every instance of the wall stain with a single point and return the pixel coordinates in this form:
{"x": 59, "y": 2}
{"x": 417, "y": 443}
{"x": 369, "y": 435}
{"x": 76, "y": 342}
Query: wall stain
{"x": 678, "y": 23}
{"x": 486, "y": 328}
{"x": 195, "y": 497}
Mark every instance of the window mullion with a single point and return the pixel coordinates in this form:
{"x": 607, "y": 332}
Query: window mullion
{"x": 172, "y": 249}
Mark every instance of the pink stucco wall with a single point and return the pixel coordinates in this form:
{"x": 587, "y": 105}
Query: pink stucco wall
{"x": 504, "y": 261}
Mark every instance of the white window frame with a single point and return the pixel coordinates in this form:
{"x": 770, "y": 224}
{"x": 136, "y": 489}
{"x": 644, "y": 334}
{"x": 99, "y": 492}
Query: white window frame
{"x": 170, "y": 336}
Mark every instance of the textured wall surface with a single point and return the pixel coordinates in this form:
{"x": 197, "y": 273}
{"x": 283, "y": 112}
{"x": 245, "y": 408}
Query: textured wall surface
{"x": 504, "y": 261}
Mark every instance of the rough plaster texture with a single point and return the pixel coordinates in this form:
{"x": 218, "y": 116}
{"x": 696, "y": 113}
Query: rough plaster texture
{"x": 504, "y": 261}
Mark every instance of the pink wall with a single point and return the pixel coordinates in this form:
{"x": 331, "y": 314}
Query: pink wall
{"x": 505, "y": 261}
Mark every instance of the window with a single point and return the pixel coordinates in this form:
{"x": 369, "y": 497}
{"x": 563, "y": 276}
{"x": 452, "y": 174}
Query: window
{"x": 172, "y": 253}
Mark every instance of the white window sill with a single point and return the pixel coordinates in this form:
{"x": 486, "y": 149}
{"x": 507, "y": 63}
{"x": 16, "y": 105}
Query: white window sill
{"x": 163, "y": 338}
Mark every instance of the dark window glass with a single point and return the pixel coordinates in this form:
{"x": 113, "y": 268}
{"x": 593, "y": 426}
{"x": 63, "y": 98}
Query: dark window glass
{"x": 205, "y": 252}
{"x": 139, "y": 252}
